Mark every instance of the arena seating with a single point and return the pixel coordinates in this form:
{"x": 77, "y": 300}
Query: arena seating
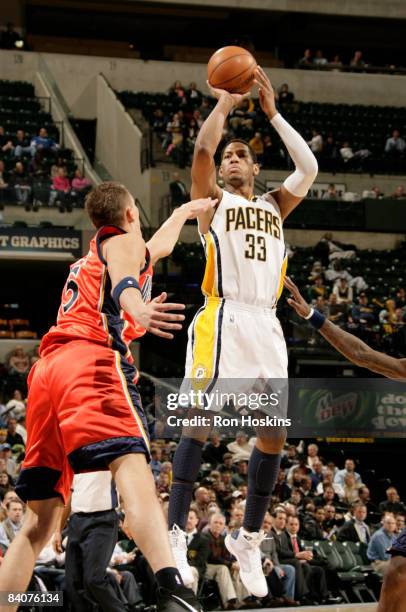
{"x": 20, "y": 109}
{"x": 366, "y": 128}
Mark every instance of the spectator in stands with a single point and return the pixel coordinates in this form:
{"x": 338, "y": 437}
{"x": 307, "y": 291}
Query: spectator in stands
{"x": 364, "y": 497}
{"x": 328, "y": 480}
{"x": 219, "y": 562}
{"x": 155, "y": 462}
{"x": 60, "y": 189}
{"x": 21, "y": 144}
{"x": 177, "y": 93}
{"x": 257, "y": 145}
{"x": 400, "y": 301}
{"x": 349, "y": 468}
{"x": 343, "y": 291}
{"x": 318, "y": 289}
{"x": 332, "y": 522}
{"x": 280, "y": 578}
{"x": 22, "y": 183}
{"x": 15, "y": 407}
{"x": 378, "y": 192}
{"x": 315, "y": 576}
{"x": 240, "y": 448}
{"x": 399, "y": 193}
{"x": 392, "y": 502}
{"x": 215, "y": 449}
{"x": 241, "y": 477}
{"x": 201, "y": 502}
{"x": 12, "y": 436}
{"x": 316, "y": 142}
{"x": 380, "y": 542}
{"x": 241, "y": 119}
{"x": 42, "y": 143}
{"x": 356, "y": 529}
{"x": 362, "y": 313}
{"x": 313, "y": 525}
{"x": 328, "y": 496}
{"x": 3, "y": 179}
{"x": 351, "y": 488}
{"x": 336, "y": 63}
{"x": 317, "y": 473}
{"x": 12, "y": 524}
{"x": 6, "y": 144}
{"x": 395, "y": 144}
{"x": 400, "y": 523}
{"x": 357, "y": 61}
{"x": 306, "y": 61}
{"x": 291, "y": 458}
{"x": 319, "y": 59}
{"x": 346, "y": 152}
{"x": 286, "y": 554}
{"x": 18, "y": 362}
{"x": 80, "y": 186}
{"x": 330, "y": 149}
{"x": 282, "y": 490}
{"x": 331, "y": 193}
{"x": 194, "y": 96}
{"x": 178, "y": 190}
{"x": 271, "y": 153}
{"x": 285, "y": 96}
{"x": 312, "y": 449}
{"x": 198, "y": 548}
{"x": 6, "y": 482}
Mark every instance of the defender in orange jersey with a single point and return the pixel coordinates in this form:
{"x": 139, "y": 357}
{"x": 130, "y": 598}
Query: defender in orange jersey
{"x": 84, "y": 412}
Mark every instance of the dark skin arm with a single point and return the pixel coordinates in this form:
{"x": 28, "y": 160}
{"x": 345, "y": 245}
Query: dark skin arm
{"x": 348, "y": 345}
{"x": 204, "y": 182}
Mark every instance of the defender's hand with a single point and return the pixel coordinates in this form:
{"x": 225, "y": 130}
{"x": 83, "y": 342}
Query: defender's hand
{"x": 156, "y": 318}
{"x": 266, "y": 93}
{"x": 194, "y": 208}
{"x": 297, "y": 302}
{"x": 233, "y": 98}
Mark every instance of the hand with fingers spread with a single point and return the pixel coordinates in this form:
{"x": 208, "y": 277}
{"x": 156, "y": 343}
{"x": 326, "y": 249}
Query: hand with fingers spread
{"x": 266, "y": 93}
{"x": 234, "y": 98}
{"x": 297, "y": 302}
{"x": 194, "y": 208}
{"x": 157, "y": 318}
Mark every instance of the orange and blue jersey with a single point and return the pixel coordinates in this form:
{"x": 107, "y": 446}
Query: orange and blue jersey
{"x": 87, "y": 310}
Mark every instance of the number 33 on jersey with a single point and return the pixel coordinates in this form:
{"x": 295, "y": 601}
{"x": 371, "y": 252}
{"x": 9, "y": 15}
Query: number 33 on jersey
{"x": 245, "y": 251}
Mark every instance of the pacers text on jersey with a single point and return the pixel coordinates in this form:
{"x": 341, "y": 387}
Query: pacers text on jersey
{"x": 249, "y": 217}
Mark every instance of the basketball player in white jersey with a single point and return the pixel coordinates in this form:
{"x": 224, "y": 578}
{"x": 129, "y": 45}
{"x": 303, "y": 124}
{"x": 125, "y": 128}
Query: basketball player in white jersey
{"x": 236, "y": 334}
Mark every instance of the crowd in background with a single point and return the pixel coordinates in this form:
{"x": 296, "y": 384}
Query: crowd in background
{"x": 177, "y": 123}
{"x": 314, "y": 500}
{"x": 38, "y": 172}
{"x": 347, "y": 300}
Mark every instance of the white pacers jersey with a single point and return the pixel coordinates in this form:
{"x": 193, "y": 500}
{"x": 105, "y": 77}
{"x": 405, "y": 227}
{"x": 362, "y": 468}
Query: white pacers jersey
{"x": 245, "y": 251}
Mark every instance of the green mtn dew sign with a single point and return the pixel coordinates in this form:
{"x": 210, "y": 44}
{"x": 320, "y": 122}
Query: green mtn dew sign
{"x": 372, "y": 407}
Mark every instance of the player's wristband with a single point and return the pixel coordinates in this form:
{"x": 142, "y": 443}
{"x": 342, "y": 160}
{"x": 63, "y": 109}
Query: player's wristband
{"x": 128, "y": 282}
{"x": 315, "y": 318}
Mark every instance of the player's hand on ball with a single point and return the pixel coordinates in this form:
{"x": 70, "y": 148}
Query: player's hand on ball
{"x": 157, "y": 318}
{"x": 297, "y": 302}
{"x": 266, "y": 92}
{"x": 234, "y": 98}
{"x": 194, "y": 208}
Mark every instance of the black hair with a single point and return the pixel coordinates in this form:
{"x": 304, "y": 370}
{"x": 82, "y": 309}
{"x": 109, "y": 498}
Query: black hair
{"x": 244, "y": 142}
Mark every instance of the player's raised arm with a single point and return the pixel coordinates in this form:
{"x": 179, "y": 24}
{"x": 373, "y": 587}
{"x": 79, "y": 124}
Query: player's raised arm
{"x": 348, "y": 345}
{"x": 296, "y": 186}
{"x": 125, "y": 256}
{"x": 204, "y": 182}
{"x": 163, "y": 241}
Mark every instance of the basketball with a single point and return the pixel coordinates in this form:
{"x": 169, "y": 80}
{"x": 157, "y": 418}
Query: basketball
{"x": 231, "y": 68}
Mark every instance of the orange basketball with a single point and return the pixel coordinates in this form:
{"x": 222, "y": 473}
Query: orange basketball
{"x": 232, "y": 68}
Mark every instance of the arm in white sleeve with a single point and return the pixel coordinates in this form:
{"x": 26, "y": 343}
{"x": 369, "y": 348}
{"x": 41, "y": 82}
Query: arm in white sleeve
{"x": 299, "y": 182}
